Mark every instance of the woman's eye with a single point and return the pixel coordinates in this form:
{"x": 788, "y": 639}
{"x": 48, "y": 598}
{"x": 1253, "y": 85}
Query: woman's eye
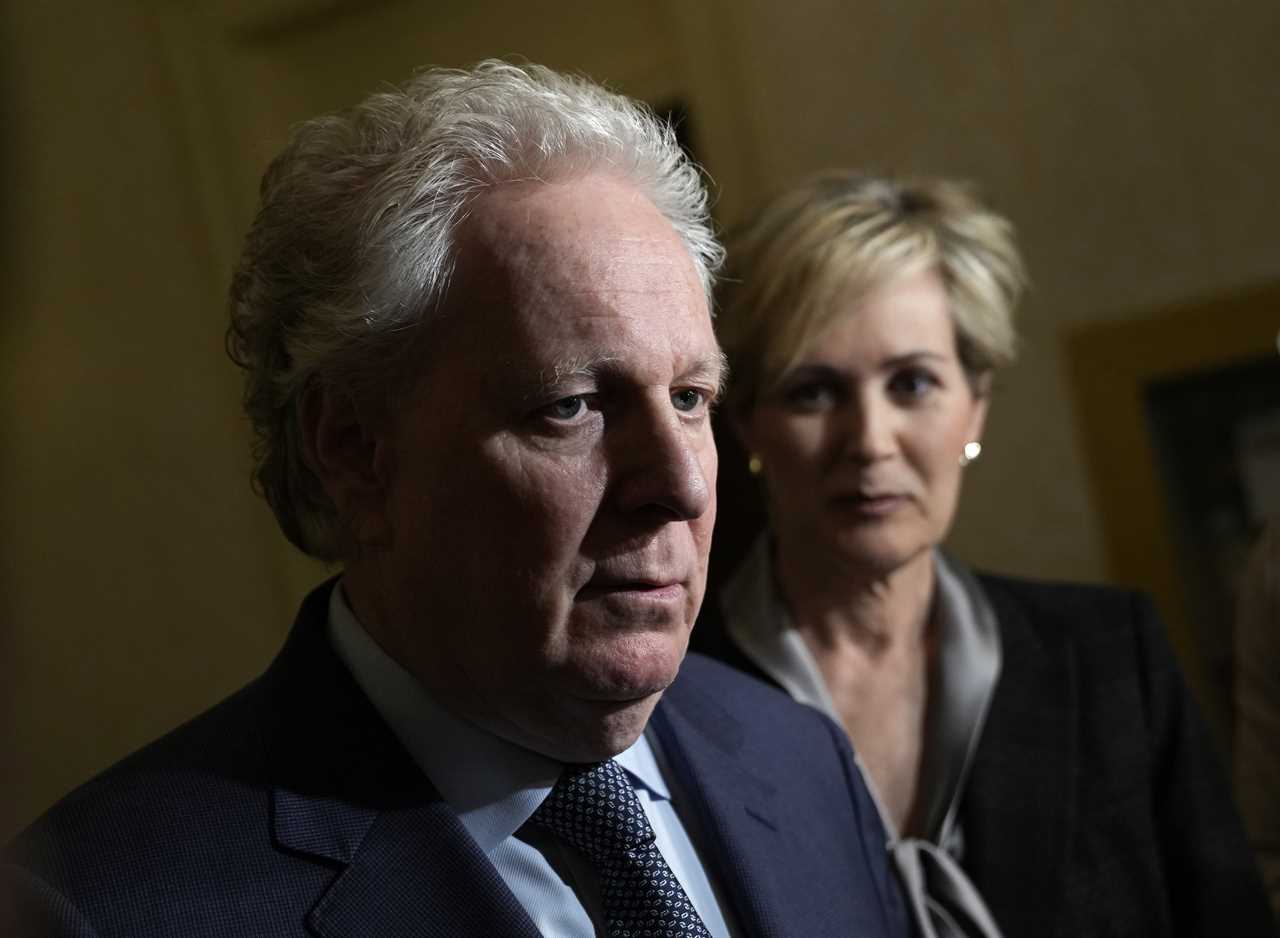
{"x": 567, "y": 407}
{"x": 688, "y": 399}
{"x": 810, "y": 395}
{"x": 912, "y": 383}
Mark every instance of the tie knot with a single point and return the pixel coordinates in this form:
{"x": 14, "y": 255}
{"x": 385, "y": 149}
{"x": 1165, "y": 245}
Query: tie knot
{"x": 594, "y": 809}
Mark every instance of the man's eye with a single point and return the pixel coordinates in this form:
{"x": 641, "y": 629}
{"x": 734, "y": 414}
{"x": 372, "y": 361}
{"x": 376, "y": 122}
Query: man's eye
{"x": 688, "y": 399}
{"x": 567, "y": 407}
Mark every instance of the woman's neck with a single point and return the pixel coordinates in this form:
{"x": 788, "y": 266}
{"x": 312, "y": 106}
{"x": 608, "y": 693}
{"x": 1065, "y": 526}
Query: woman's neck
{"x": 870, "y": 636}
{"x": 837, "y": 604}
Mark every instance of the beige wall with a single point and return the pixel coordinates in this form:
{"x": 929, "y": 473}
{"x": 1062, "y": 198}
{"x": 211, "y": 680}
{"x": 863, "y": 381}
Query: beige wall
{"x": 139, "y": 576}
{"x": 1135, "y": 146}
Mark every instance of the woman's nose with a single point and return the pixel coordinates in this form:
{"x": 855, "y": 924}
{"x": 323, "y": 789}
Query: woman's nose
{"x": 869, "y": 430}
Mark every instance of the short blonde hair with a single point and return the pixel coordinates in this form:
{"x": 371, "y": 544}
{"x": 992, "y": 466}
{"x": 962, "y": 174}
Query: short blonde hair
{"x": 791, "y": 265}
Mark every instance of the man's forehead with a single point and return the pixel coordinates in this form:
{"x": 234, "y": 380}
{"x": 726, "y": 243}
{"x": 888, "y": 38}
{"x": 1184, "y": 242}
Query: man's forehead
{"x": 578, "y": 280}
{"x": 571, "y": 237}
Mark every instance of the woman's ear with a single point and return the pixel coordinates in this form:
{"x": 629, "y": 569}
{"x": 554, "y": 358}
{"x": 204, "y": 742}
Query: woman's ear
{"x": 742, "y": 428}
{"x": 981, "y": 402}
{"x": 352, "y": 459}
{"x": 739, "y": 421}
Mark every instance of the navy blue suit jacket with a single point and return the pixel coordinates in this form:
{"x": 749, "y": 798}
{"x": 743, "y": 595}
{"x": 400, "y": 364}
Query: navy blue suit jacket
{"x": 291, "y": 809}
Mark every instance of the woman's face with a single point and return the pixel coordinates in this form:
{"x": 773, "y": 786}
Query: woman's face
{"x": 861, "y": 441}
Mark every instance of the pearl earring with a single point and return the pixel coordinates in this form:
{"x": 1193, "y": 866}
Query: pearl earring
{"x": 972, "y": 450}
{"x": 755, "y": 465}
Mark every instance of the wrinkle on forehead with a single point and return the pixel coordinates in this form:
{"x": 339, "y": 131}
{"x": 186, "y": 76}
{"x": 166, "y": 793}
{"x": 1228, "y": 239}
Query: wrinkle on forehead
{"x": 511, "y": 229}
{"x": 621, "y": 267}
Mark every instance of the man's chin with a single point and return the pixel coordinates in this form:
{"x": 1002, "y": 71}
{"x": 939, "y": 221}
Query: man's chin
{"x": 597, "y": 729}
{"x": 597, "y": 703}
{"x": 627, "y": 669}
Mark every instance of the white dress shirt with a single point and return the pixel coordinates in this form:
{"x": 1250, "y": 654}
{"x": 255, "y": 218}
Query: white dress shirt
{"x": 496, "y": 785}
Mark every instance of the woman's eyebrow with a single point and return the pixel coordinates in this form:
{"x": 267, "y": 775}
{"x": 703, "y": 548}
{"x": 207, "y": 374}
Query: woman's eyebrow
{"x": 816, "y": 370}
{"x": 908, "y": 358}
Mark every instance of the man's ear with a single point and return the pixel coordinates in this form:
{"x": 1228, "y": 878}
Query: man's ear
{"x": 352, "y": 458}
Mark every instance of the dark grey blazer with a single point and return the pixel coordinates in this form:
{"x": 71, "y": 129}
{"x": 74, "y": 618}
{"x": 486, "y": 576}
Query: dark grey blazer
{"x": 291, "y": 809}
{"x": 1095, "y": 805}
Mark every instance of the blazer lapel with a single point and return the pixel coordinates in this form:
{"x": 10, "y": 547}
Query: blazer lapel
{"x": 348, "y": 795}
{"x": 1021, "y": 793}
{"x": 418, "y": 872}
{"x": 731, "y": 807}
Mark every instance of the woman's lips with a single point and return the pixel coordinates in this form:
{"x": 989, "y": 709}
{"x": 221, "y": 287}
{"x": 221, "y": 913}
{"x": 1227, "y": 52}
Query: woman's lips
{"x": 876, "y": 505}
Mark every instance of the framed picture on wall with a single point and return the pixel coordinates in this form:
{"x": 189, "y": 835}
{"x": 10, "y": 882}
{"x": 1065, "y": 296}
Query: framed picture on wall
{"x": 1179, "y": 415}
{"x": 1216, "y": 437}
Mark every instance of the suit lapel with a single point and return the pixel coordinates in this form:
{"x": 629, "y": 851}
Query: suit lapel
{"x": 418, "y": 872}
{"x": 730, "y": 808}
{"x": 348, "y": 796}
{"x": 1021, "y": 793}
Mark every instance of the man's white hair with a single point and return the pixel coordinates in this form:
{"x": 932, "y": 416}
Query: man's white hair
{"x": 354, "y": 241}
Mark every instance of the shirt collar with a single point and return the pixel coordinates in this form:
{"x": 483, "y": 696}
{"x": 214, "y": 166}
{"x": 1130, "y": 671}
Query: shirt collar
{"x": 492, "y": 783}
{"x": 759, "y": 622}
{"x": 968, "y": 668}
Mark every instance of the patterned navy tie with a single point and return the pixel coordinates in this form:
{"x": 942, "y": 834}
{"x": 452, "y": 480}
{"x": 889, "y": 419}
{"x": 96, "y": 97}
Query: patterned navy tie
{"x": 594, "y": 809}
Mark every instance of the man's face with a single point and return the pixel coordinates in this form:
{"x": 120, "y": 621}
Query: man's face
{"x": 551, "y": 484}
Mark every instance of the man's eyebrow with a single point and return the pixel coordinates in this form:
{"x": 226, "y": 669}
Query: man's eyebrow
{"x": 713, "y": 370}
{"x": 579, "y": 366}
{"x": 567, "y": 369}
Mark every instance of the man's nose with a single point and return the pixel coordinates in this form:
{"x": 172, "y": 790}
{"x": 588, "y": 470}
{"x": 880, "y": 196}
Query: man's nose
{"x": 666, "y": 465}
